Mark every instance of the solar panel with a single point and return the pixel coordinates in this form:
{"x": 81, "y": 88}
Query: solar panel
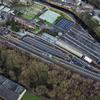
{"x": 65, "y": 24}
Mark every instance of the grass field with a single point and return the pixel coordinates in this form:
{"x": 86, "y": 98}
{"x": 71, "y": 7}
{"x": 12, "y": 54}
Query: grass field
{"x": 36, "y": 30}
{"x": 29, "y": 96}
{"x": 30, "y": 12}
{"x": 28, "y": 15}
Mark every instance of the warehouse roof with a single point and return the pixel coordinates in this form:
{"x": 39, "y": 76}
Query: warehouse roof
{"x": 9, "y": 89}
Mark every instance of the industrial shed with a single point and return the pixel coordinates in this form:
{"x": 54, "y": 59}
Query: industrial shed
{"x": 10, "y": 90}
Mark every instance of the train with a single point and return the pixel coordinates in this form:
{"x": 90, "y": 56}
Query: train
{"x": 76, "y": 52}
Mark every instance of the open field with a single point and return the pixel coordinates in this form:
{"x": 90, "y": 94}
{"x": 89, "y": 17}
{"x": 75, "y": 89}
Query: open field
{"x": 29, "y": 96}
{"x": 30, "y": 12}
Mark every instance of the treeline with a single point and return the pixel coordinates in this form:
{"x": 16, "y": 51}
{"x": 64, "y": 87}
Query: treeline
{"x": 52, "y": 82}
{"x": 88, "y": 19}
{"x": 92, "y": 24}
{"x": 95, "y": 2}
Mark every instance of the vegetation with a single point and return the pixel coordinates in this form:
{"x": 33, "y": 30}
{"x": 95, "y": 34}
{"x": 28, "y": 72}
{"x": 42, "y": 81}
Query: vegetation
{"x": 29, "y": 96}
{"x": 30, "y": 11}
{"x": 14, "y": 26}
{"x": 95, "y": 2}
{"x": 91, "y": 23}
{"x": 28, "y": 16}
{"x": 36, "y": 30}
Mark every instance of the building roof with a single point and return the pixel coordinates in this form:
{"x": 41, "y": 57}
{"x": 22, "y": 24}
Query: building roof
{"x": 1, "y": 7}
{"x": 6, "y": 9}
{"x": 49, "y": 16}
{"x": 9, "y": 89}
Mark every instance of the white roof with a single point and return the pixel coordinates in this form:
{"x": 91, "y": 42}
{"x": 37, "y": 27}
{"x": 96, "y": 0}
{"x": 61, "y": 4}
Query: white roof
{"x": 6, "y": 9}
{"x": 1, "y": 7}
{"x": 21, "y": 33}
{"x": 11, "y": 11}
{"x": 49, "y": 16}
{"x": 89, "y": 60}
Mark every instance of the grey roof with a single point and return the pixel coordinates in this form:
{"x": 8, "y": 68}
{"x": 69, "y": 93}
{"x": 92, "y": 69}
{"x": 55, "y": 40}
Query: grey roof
{"x": 7, "y": 94}
{"x": 9, "y": 89}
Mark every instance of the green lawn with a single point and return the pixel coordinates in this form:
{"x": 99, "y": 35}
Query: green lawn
{"x": 36, "y": 30}
{"x": 30, "y": 12}
{"x": 28, "y": 16}
{"x": 29, "y": 96}
{"x": 38, "y": 5}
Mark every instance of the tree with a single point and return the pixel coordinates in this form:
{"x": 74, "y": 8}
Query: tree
{"x": 97, "y": 30}
{"x": 14, "y": 1}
